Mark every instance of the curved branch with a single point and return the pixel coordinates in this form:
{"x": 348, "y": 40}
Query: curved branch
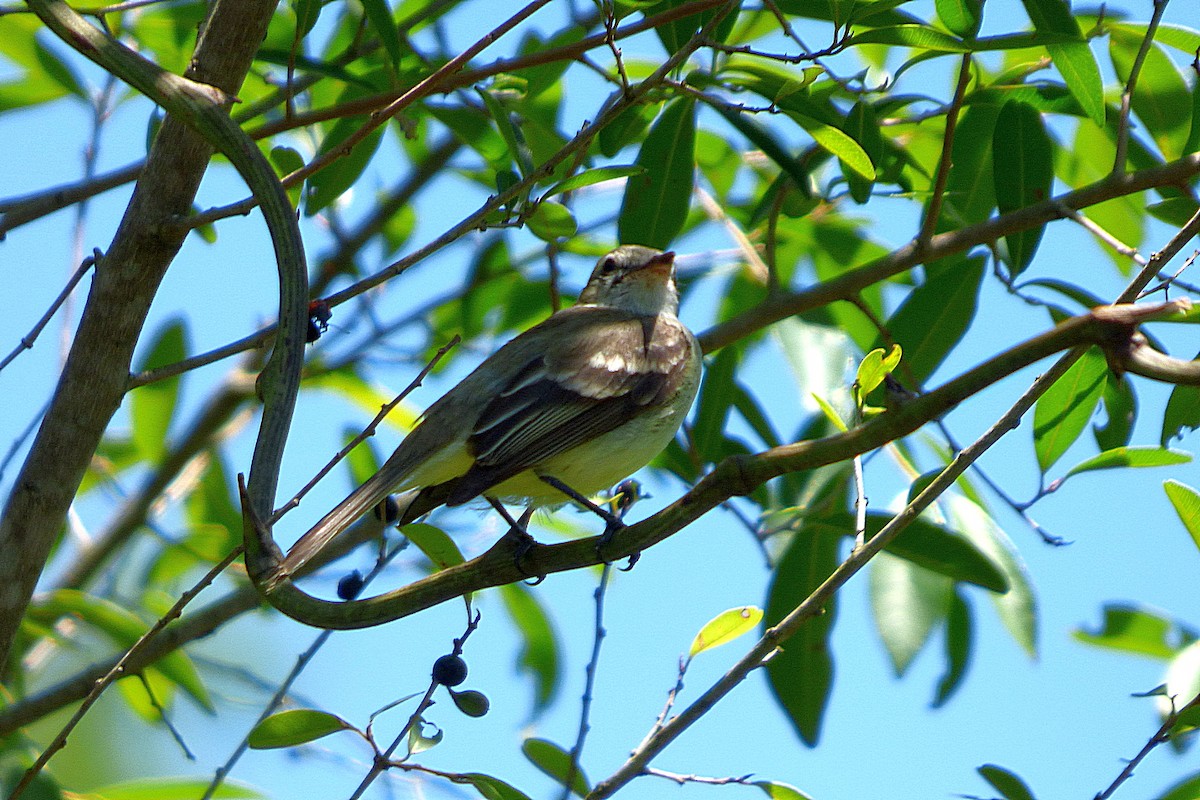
{"x": 1110, "y": 327}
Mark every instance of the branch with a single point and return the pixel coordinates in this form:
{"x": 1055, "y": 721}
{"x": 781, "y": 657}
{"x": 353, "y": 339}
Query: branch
{"x": 848, "y": 284}
{"x": 93, "y": 381}
{"x": 1111, "y": 327}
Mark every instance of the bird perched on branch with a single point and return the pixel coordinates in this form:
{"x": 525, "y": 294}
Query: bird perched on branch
{"x": 571, "y": 405}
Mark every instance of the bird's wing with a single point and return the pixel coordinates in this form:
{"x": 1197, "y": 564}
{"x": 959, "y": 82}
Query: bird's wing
{"x": 593, "y": 376}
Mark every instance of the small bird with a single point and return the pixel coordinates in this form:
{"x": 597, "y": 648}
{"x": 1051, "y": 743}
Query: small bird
{"x": 584, "y": 399}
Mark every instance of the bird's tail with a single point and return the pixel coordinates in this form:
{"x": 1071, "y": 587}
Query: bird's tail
{"x": 343, "y": 515}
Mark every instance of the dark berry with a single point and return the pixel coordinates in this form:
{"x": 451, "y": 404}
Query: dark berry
{"x": 350, "y": 585}
{"x": 450, "y": 670}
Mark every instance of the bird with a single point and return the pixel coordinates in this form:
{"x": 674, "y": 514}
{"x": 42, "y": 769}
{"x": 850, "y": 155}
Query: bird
{"x": 569, "y": 407}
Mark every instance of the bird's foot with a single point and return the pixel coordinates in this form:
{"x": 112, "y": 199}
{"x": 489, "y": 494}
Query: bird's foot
{"x": 518, "y": 539}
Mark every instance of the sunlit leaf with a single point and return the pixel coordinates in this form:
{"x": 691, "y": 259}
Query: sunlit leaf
{"x": 962, "y": 17}
{"x": 848, "y": 151}
{"x": 724, "y": 628}
{"x": 551, "y": 221}
{"x": 781, "y": 791}
{"x": 907, "y": 603}
{"x": 1130, "y": 629}
{"x": 123, "y": 627}
{"x": 1131, "y": 457}
{"x": 174, "y": 789}
{"x": 1018, "y": 606}
{"x": 1187, "y": 505}
{"x": 438, "y": 547}
{"x": 593, "y": 176}
{"x": 1063, "y": 412}
{"x": 920, "y": 37}
{"x": 1162, "y": 99}
{"x": 293, "y": 727}
{"x": 492, "y": 788}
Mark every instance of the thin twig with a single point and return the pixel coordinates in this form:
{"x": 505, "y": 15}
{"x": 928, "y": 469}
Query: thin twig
{"x": 1163, "y": 734}
{"x": 281, "y": 692}
{"x": 28, "y": 339}
{"x": 60, "y": 740}
{"x": 1127, "y": 93}
{"x": 929, "y": 225}
{"x": 589, "y": 685}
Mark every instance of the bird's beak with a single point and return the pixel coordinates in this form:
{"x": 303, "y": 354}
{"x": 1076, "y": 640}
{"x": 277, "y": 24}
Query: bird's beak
{"x": 663, "y": 263}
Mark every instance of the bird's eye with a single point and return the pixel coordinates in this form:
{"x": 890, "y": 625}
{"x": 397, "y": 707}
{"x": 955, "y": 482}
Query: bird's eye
{"x": 609, "y": 266}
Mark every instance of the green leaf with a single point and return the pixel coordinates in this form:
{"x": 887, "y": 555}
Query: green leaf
{"x": 676, "y": 33}
{"x": 593, "y": 176}
{"x": 1186, "y": 789}
{"x": 293, "y": 727}
{"x": 287, "y": 160}
{"x": 962, "y": 17}
{"x": 801, "y": 674}
{"x": 874, "y": 368}
{"x": 724, "y": 628}
{"x": 656, "y": 202}
{"x": 1161, "y": 99}
{"x": 172, "y": 789}
{"x": 152, "y": 406}
{"x": 834, "y": 140}
{"x": 508, "y": 131}
{"x": 716, "y": 399}
{"x": 1005, "y": 782}
{"x": 1182, "y": 412}
{"x": 830, "y": 413}
{"x": 434, "y": 543}
{"x": 919, "y": 37}
{"x": 307, "y": 12}
{"x": 551, "y": 221}
{"x": 1062, "y": 413}
{"x": 1120, "y": 409}
{"x": 1187, "y": 505}
{"x": 471, "y": 702}
{"x": 492, "y": 788}
{"x": 1130, "y": 629}
{"x": 328, "y": 184}
{"x": 380, "y": 17}
{"x": 555, "y": 762}
{"x": 933, "y": 318}
{"x": 625, "y": 129}
{"x": 1130, "y": 457}
{"x": 539, "y": 655}
{"x": 959, "y": 637}
{"x": 1018, "y": 606}
{"x": 1073, "y": 59}
{"x": 781, "y": 791}
{"x": 907, "y": 603}
{"x": 938, "y": 549}
{"x": 862, "y": 126}
{"x": 1022, "y": 171}
{"x": 764, "y": 140}
{"x": 123, "y": 627}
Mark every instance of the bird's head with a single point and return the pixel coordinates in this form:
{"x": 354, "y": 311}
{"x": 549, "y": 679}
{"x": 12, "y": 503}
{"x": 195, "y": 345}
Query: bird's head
{"x": 633, "y": 278}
